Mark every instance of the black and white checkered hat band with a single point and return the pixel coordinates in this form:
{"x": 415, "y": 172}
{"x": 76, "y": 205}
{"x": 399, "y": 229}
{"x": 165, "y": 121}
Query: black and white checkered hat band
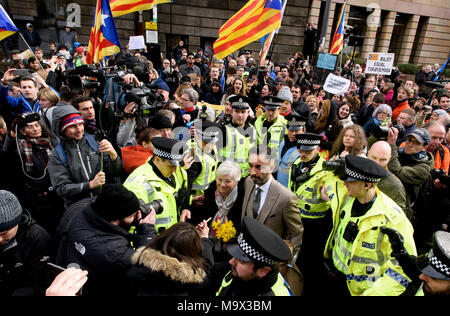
{"x": 297, "y": 123}
{"x": 356, "y": 175}
{"x": 253, "y": 253}
{"x": 240, "y": 104}
{"x": 309, "y": 142}
{"x": 208, "y": 134}
{"x": 166, "y": 155}
{"x": 438, "y": 265}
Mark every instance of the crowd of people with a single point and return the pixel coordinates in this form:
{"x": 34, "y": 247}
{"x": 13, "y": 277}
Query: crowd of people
{"x": 188, "y": 175}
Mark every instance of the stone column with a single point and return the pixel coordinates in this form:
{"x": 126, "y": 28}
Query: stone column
{"x": 330, "y": 31}
{"x": 386, "y": 32}
{"x": 408, "y": 39}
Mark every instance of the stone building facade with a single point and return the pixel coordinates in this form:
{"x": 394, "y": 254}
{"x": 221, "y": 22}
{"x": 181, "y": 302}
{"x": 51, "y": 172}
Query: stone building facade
{"x": 417, "y": 31}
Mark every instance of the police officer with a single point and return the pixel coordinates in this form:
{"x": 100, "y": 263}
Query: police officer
{"x": 255, "y": 263}
{"x": 203, "y": 149}
{"x": 288, "y": 152}
{"x": 161, "y": 178}
{"x": 430, "y": 273}
{"x": 306, "y": 177}
{"x": 238, "y": 134}
{"x": 359, "y": 252}
{"x": 271, "y": 126}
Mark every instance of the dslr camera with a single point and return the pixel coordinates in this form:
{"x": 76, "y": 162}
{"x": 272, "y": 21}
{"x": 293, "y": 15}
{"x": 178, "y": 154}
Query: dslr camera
{"x": 146, "y": 208}
{"x": 382, "y": 132}
{"x": 337, "y": 166}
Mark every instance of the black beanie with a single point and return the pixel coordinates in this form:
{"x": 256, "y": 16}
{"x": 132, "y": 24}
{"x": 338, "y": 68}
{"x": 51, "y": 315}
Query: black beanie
{"x": 115, "y": 202}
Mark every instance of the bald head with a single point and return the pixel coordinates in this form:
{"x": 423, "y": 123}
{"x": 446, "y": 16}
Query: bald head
{"x": 380, "y": 152}
{"x": 437, "y": 132}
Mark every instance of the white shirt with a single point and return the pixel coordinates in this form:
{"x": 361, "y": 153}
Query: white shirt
{"x": 264, "y": 190}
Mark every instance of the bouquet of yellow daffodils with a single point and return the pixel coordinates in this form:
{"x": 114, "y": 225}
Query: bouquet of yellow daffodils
{"x": 224, "y": 231}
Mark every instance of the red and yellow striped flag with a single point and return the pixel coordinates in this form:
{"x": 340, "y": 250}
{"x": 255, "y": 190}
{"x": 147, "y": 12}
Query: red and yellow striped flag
{"x": 122, "y": 7}
{"x": 256, "y": 19}
{"x": 338, "y": 39}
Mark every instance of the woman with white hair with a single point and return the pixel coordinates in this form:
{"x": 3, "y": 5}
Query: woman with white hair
{"x": 223, "y": 198}
{"x": 381, "y": 116}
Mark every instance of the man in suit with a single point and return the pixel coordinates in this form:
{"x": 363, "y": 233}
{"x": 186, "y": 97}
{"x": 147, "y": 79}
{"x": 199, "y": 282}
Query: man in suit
{"x": 270, "y": 202}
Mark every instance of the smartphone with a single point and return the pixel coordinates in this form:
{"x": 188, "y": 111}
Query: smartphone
{"x": 21, "y": 72}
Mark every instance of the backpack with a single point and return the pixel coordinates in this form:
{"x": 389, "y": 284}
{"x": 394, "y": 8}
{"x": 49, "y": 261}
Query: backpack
{"x": 62, "y": 157}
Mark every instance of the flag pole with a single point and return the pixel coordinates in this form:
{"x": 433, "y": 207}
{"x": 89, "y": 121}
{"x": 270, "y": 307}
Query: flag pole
{"x": 26, "y": 43}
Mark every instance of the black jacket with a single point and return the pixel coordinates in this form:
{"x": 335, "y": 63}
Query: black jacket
{"x": 23, "y": 262}
{"x": 99, "y": 247}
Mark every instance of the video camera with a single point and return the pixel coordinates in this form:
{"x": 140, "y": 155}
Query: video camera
{"x": 147, "y": 100}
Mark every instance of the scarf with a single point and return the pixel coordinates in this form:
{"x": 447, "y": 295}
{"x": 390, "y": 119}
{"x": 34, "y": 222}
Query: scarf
{"x": 224, "y": 206}
{"x": 385, "y": 122}
{"x": 90, "y": 125}
{"x": 27, "y": 145}
{"x": 421, "y": 155}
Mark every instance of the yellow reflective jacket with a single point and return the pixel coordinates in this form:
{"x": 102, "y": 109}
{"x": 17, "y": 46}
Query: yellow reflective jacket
{"x": 366, "y": 261}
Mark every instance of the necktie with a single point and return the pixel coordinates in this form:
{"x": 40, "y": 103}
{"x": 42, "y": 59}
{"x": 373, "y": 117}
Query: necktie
{"x": 256, "y": 202}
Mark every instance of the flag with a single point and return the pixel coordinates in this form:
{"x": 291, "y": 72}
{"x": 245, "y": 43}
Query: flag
{"x": 338, "y": 39}
{"x": 122, "y": 7}
{"x": 438, "y": 73}
{"x": 7, "y": 27}
{"x": 267, "y": 39}
{"x": 104, "y": 40}
{"x": 256, "y": 19}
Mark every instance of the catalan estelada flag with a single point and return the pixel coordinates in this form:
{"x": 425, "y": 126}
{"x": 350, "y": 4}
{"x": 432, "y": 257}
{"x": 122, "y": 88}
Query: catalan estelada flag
{"x": 104, "y": 40}
{"x": 7, "y": 27}
{"x": 338, "y": 39}
{"x": 256, "y": 19}
{"x": 122, "y": 7}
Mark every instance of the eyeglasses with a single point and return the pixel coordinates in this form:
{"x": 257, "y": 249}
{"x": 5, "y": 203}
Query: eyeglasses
{"x": 413, "y": 141}
{"x": 185, "y": 99}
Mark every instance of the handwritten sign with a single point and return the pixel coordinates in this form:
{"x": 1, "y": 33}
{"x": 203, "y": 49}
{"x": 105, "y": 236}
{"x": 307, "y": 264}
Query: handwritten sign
{"x": 336, "y": 85}
{"x": 326, "y": 61}
{"x": 379, "y": 63}
{"x": 136, "y": 42}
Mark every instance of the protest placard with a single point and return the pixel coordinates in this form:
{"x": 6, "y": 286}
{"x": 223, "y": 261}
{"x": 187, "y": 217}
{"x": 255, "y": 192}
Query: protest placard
{"x": 336, "y": 85}
{"x": 326, "y": 61}
{"x": 379, "y": 63}
{"x": 136, "y": 42}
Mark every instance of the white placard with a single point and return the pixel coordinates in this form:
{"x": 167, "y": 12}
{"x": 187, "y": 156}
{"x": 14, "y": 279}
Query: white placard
{"x": 136, "y": 42}
{"x": 152, "y": 36}
{"x": 336, "y": 85}
{"x": 379, "y": 63}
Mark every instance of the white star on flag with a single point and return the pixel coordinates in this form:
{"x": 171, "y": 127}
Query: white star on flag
{"x": 104, "y": 18}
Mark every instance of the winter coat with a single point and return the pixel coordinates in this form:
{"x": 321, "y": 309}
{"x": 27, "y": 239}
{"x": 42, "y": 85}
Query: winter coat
{"x": 412, "y": 172}
{"x": 156, "y": 274}
{"x": 103, "y": 249}
{"x": 70, "y": 177}
{"x": 23, "y": 262}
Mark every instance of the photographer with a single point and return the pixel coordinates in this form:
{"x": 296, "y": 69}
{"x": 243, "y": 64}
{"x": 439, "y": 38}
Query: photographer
{"x": 95, "y": 235}
{"x": 407, "y": 119}
{"x": 412, "y": 164}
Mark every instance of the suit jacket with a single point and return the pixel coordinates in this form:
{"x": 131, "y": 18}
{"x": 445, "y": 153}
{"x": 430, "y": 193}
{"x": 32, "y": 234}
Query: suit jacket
{"x": 279, "y": 211}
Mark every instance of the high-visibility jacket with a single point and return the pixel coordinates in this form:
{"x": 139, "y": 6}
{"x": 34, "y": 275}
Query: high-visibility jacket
{"x": 273, "y": 136}
{"x": 149, "y": 187}
{"x": 238, "y": 147}
{"x": 209, "y": 166}
{"x": 280, "y": 288}
{"x": 310, "y": 202}
{"x": 285, "y": 163}
{"x": 366, "y": 261}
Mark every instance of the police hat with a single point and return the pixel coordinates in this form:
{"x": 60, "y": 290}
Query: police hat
{"x": 240, "y": 102}
{"x": 296, "y": 122}
{"x": 272, "y": 102}
{"x": 363, "y": 169}
{"x": 257, "y": 243}
{"x": 169, "y": 149}
{"x": 436, "y": 263}
{"x": 207, "y": 130}
{"x": 308, "y": 141}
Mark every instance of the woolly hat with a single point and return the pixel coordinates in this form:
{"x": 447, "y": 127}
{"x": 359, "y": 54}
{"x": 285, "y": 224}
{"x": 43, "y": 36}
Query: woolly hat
{"x": 10, "y": 210}
{"x": 71, "y": 119}
{"x": 115, "y": 202}
{"x": 285, "y": 94}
